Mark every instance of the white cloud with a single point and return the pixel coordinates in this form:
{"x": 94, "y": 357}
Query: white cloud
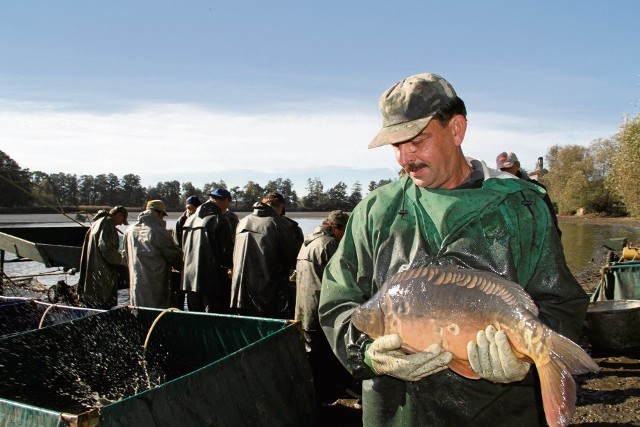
{"x": 178, "y": 139}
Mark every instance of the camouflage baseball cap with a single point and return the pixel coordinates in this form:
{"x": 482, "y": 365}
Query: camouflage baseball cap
{"x": 408, "y": 107}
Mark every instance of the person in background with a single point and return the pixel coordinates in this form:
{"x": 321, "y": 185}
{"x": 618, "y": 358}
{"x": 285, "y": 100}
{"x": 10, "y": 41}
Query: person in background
{"x": 330, "y": 377}
{"x": 299, "y": 238}
{"x": 507, "y": 161}
{"x": 100, "y": 258}
{"x": 223, "y": 199}
{"x": 151, "y": 253}
{"x": 264, "y": 254}
{"x": 191, "y": 204}
{"x": 448, "y": 210}
{"x": 207, "y": 242}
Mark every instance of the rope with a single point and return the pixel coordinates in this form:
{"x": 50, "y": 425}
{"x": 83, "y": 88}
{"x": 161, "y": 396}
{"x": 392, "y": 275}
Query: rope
{"x": 45, "y": 314}
{"x": 146, "y": 341}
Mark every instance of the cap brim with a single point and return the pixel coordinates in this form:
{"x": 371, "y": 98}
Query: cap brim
{"x": 504, "y": 165}
{"x": 399, "y": 133}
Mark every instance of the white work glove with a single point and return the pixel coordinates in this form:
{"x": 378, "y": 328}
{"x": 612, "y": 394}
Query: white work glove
{"x": 387, "y": 359}
{"x": 493, "y": 359}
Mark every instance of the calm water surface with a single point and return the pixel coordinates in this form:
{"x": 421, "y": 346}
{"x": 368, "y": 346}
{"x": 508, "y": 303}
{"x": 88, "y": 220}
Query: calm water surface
{"x": 583, "y": 243}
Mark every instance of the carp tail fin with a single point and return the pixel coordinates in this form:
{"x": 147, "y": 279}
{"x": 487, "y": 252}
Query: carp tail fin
{"x": 558, "y": 394}
{"x": 572, "y": 356}
{"x": 558, "y": 386}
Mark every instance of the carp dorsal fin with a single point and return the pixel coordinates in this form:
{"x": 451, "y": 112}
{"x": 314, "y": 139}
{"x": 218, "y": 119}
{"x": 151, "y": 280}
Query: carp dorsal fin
{"x": 486, "y": 281}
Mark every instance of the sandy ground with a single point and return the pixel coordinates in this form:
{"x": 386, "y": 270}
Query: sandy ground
{"x": 612, "y": 396}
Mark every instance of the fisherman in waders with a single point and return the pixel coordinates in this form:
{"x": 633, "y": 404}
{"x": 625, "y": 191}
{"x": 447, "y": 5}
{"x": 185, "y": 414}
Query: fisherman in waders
{"x": 448, "y": 210}
{"x": 329, "y": 376}
{"x": 207, "y": 243}
{"x": 151, "y": 254}
{"x": 191, "y": 204}
{"x": 264, "y": 253}
{"x": 101, "y": 256}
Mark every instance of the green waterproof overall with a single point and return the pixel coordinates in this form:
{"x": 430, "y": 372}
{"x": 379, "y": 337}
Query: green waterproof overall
{"x": 504, "y": 227}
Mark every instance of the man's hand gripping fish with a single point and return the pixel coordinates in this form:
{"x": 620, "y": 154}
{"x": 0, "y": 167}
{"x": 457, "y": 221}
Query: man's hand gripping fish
{"x": 445, "y": 306}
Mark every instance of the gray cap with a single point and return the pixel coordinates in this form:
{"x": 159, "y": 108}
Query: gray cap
{"x": 408, "y": 107}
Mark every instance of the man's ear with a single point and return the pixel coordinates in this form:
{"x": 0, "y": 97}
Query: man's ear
{"x": 458, "y": 125}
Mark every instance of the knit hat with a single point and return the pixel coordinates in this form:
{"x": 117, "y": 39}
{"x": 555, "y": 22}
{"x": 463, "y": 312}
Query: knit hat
{"x": 193, "y": 201}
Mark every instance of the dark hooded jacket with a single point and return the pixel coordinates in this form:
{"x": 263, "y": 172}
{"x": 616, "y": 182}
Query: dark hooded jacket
{"x": 177, "y": 231}
{"x": 265, "y": 250}
{"x": 101, "y": 256}
{"x": 208, "y": 249}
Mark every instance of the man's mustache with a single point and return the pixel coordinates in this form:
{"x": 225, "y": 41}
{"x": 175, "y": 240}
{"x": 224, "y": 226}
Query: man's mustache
{"x": 412, "y": 167}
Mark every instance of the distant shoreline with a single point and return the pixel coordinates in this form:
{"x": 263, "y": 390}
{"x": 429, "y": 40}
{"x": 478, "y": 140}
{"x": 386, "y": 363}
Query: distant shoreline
{"x": 587, "y": 219}
{"x": 13, "y": 219}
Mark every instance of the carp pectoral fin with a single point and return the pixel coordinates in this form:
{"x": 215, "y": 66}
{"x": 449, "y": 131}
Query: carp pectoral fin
{"x": 462, "y": 368}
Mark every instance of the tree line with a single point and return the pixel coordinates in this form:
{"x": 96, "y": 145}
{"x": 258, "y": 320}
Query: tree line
{"x": 23, "y": 188}
{"x": 601, "y": 178}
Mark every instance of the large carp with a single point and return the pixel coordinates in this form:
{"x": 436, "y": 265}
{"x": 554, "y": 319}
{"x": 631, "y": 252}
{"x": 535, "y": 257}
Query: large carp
{"x": 450, "y": 305}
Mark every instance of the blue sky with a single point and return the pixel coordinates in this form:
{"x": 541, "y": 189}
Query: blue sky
{"x": 205, "y": 91}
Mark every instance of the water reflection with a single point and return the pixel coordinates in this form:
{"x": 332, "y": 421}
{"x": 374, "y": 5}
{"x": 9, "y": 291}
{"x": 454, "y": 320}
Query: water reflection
{"x": 584, "y": 243}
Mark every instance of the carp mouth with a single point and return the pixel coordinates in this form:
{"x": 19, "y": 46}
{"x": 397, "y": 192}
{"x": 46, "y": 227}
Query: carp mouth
{"x": 369, "y": 318}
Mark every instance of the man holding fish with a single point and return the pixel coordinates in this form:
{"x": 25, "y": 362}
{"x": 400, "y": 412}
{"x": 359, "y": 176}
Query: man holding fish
{"x": 453, "y": 342}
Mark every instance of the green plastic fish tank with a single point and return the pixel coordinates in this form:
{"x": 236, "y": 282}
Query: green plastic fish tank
{"x": 19, "y": 315}
{"x": 145, "y": 367}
